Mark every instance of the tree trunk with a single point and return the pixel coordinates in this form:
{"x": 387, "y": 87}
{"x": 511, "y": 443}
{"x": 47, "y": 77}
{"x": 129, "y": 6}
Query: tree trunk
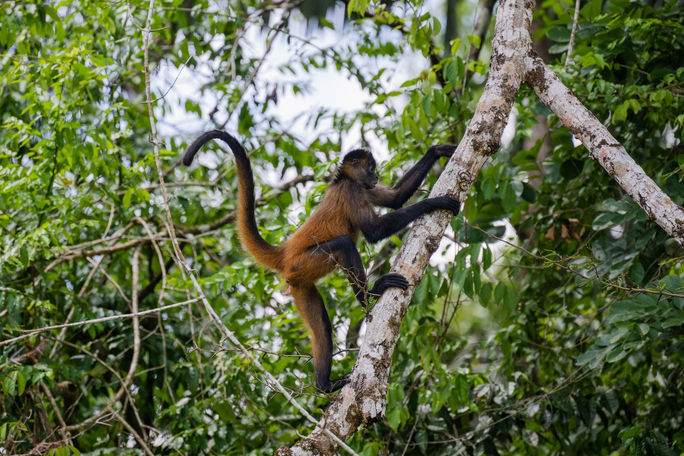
{"x": 513, "y": 61}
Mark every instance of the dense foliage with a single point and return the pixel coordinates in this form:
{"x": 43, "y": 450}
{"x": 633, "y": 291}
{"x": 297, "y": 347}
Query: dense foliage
{"x": 563, "y": 336}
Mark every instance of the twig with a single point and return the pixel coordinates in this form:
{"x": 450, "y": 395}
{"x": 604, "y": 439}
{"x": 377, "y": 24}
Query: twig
{"x": 572, "y": 33}
{"x": 33, "y": 332}
{"x": 560, "y": 264}
{"x": 136, "y": 349}
{"x": 137, "y": 436}
{"x": 269, "y": 44}
{"x": 480, "y": 27}
{"x": 102, "y": 251}
{"x": 270, "y": 379}
{"x": 168, "y": 220}
{"x": 110, "y": 278}
{"x": 231, "y": 215}
{"x": 65, "y": 434}
{"x": 91, "y": 274}
{"x": 160, "y": 258}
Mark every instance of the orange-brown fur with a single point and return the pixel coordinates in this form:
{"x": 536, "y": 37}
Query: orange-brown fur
{"x": 327, "y": 239}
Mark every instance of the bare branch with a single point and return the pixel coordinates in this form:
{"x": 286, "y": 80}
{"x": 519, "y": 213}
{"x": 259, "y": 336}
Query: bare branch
{"x": 605, "y": 149}
{"x": 136, "y": 351}
{"x": 363, "y": 399}
{"x": 33, "y": 332}
{"x": 135, "y": 435}
{"x": 572, "y": 33}
{"x": 183, "y": 267}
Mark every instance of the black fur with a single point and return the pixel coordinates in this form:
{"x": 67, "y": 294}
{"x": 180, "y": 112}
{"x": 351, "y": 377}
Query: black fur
{"x": 382, "y": 227}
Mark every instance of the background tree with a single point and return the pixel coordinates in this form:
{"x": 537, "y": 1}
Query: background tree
{"x": 570, "y": 342}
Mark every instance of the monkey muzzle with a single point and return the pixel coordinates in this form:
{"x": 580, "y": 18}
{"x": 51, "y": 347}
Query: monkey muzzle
{"x": 371, "y": 184}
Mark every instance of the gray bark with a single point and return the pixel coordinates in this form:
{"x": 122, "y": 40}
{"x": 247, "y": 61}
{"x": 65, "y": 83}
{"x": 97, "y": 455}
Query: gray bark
{"x": 513, "y": 62}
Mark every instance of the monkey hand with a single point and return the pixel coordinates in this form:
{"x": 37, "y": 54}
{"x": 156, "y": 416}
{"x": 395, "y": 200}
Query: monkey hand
{"x": 388, "y": 281}
{"x": 330, "y": 386}
{"x": 446, "y": 202}
{"x": 443, "y": 150}
{"x": 340, "y": 382}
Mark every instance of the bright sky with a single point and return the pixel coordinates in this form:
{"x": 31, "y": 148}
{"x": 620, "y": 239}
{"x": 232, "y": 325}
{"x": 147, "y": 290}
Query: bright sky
{"x": 329, "y": 88}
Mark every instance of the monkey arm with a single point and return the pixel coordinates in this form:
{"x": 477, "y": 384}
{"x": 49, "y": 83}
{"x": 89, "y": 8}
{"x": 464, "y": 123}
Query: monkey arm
{"x": 396, "y": 196}
{"x": 375, "y": 228}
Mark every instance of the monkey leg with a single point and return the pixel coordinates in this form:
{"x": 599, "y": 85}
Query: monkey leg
{"x": 344, "y": 251}
{"x": 312, "y": 310}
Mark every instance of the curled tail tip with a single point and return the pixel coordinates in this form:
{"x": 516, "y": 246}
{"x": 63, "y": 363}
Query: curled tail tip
{"x": 187, "y": 158}
{"x": 191, "y": 151}
{"x": 206, "y": 137}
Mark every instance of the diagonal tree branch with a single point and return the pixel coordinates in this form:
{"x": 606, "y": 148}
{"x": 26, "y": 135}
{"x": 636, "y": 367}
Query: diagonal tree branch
{"x": 513, "y": 61}
{"x": 605, "y": 149}
{"x": 363, "y": 399}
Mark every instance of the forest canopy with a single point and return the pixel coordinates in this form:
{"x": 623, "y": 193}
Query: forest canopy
{"x": 549, "y": 321}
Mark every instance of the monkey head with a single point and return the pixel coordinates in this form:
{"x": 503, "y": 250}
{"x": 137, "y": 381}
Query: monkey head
{"x": 359, "y": 166}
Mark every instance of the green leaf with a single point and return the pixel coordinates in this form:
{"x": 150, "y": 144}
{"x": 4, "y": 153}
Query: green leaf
{"x": 475, "y": 40}
{"x": 500, "y": 292}
{"x": 529, "y": 194}
{"x": 394, "y": 418}
{"x": 486, "y": 258}
{"x": 590, "y": 11}
{"x": 630, "y": 309}
{"x": 485, "y": 293}
{"x": 605, "y": 220}
{"x": 225, "y": 411}
{"x": 592, "y": 357}
{"x": 558, "y": 48}
{"x": 643, "y": 328}
{"x": 10, "y": 383}
{"x": 488, "y": 187}
{"x": 23, "y": 255}
{"x": 559, "y": 34}
{"x": 126, "y": 201}
{"x": 21, "y": 383}
{"x": 673, "y": 321}
{"x": 617, "y": 354}
{"x": 630, "y": 433}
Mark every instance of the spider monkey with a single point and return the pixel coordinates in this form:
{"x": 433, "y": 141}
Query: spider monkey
{"x": 327, "y": 239}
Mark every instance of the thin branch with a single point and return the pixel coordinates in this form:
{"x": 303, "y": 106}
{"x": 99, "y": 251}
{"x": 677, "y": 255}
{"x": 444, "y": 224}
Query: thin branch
{"x": 160, "y": 258}
{"x": 65, "y": 434}
{"x": 106, "y": 366}
{"x": 102, "y": 251}
{"x": 179, "y": 257}
{"x": 269, "y": 43}
{"x": 604, "y": 148}
{"x": 33, "y": 332}
{"x": 110, "y": 278}
{"x": 91, "y": 274}
{"x": 168, "y": 220}
{"x": 109, "y": 408}
{"x": 135, "y": 435}
{"x": 480, "y": 27}
{"x": 561, "y": 265}
{"x": 572, "y": 33}
{"x": 231, "y": 215}
{"x": 270, "y": 379}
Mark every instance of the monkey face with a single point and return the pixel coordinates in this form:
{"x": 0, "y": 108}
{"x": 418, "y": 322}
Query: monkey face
{"x": 371, "y": 178}
{"x": 359, "y": 166}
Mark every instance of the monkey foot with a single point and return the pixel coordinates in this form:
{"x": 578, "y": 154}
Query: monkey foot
{"x": 388, "y": 281}
{"x": 334, "y": 385}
